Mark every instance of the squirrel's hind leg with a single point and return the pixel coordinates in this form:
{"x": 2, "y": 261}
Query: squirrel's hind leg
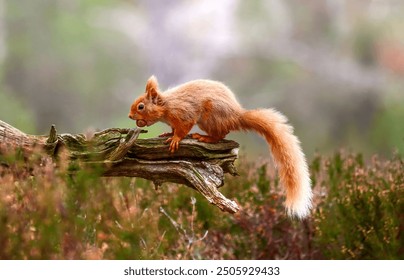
{"x": 207, "y": 138}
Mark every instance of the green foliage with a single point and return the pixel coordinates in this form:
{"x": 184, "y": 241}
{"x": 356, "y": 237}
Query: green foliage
{"x": 387, "y": 132}
{"x": 362, "y": 212}
{"x": 365, "y": 38}
{"x": 49, "y": 46}
{"x": 46, "y": 213}
{"x": 14, "y": 112}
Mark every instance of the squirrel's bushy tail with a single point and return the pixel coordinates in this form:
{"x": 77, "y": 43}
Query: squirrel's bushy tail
{"x": 287, "y": 154}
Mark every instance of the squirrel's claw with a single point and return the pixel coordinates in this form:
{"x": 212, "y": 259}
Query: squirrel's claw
{"x": 174, "y": 143}
{"x": 174, "y": 146}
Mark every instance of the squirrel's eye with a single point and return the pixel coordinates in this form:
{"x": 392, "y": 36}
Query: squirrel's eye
{"x": 140, "y": 106}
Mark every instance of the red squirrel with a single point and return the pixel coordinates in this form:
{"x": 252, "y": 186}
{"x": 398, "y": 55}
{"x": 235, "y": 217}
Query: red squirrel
{"x": 214, "y": 108}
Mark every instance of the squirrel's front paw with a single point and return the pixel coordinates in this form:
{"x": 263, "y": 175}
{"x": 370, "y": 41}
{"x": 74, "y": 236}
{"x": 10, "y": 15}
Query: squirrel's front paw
{"x": 174, "y": 143}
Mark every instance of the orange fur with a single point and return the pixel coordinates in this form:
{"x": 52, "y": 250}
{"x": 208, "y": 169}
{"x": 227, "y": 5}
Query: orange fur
{"x": 214, "y": 108}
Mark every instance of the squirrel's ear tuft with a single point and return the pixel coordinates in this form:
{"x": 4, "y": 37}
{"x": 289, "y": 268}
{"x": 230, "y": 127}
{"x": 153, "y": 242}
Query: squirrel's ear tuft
{"x": 152, "y": 89}
{"x": 152, "y": 85}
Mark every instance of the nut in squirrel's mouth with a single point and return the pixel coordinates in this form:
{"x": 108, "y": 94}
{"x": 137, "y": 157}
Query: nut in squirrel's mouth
{"x": 141, "y": 123}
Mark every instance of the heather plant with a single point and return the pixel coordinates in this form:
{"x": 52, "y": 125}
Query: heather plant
{"x": 48, "y": 212}
{"x": 262, "y": 230}
{"x": 361, "y": 213}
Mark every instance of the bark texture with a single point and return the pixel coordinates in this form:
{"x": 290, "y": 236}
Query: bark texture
{"x": 119, "y": 152}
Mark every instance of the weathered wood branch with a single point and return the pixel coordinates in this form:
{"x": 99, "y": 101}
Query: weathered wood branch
{"x": 119, "y": 152}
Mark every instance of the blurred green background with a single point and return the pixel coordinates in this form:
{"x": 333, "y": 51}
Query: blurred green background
{"x": 335, "y": 68}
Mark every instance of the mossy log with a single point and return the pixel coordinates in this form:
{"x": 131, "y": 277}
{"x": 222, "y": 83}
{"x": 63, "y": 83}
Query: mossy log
{"x": 119, "y": 152}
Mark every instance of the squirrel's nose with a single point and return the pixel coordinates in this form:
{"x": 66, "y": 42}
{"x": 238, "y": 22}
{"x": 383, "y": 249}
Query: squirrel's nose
{"x": 130, "y": 116}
